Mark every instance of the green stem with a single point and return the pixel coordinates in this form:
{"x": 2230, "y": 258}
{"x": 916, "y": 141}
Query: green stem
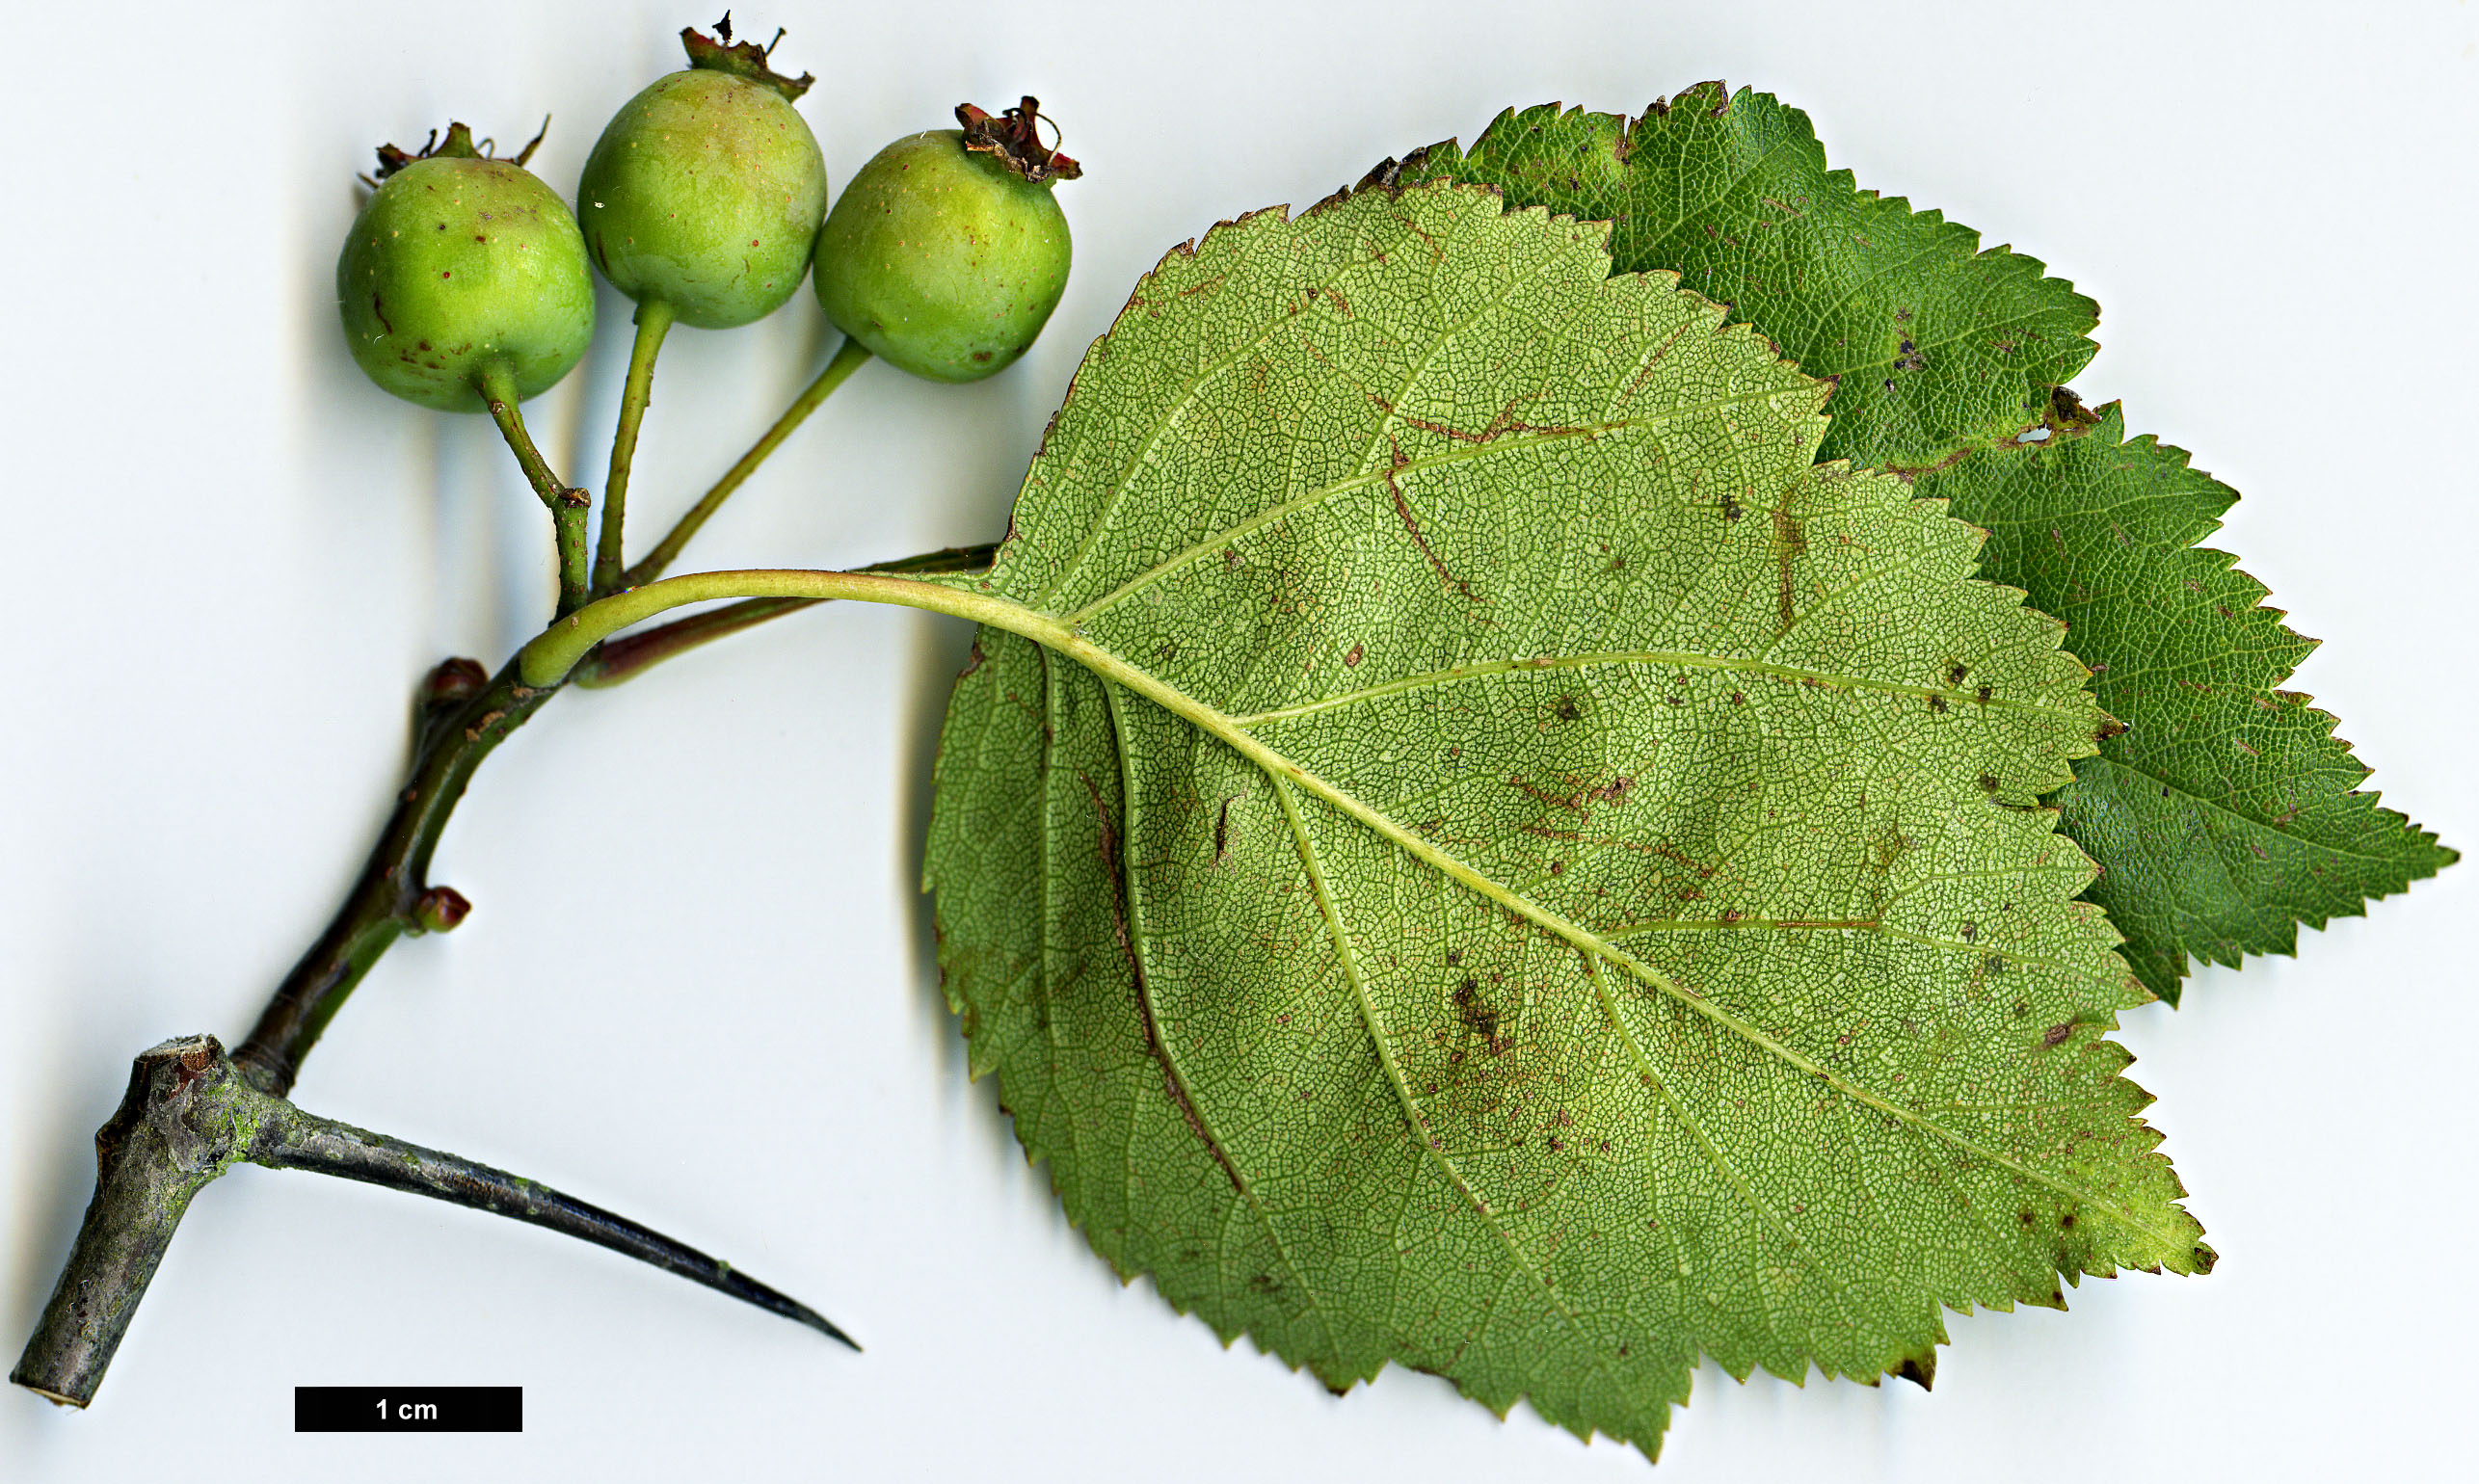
{"x": 847, "y": 360}
{"x": 569, "y": 507}
{"x": 654, "y": 321}
{"x": 555, "y": 651}
{"x": 625, "y": 658}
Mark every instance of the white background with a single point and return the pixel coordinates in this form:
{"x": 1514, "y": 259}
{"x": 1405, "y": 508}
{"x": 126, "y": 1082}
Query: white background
{"x": 697, "y": 983}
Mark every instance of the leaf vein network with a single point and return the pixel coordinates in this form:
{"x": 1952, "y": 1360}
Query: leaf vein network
{"x": 1370, "y": 478}
{"x": 1429, "y": 1144}
{"x": 1172, "y": 411}
{"x": 1286, "y": 773}
{"x": 1132, "y": 883}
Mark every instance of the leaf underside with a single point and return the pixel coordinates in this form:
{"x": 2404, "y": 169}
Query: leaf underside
{"x": 1500, "y": 864}
{"x": 1943, "y": 352}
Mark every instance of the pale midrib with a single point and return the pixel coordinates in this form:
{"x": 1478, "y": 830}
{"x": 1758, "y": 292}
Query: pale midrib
{"x": 1674, "y": 658}
{"x": 1429, "y": 1144}
{"x": 1281, "y": 769}
{"x": 2217, "y": 806}
{"x": 1857, "y": 925}
{"x": 1451, "y": 456}
{"x": 1131, "y": 884}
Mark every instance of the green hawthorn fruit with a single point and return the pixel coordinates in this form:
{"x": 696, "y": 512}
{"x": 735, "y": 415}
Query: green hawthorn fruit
{"x": 705, "y": 192}
{"x": 948, "y": 253}
{"x": 457, "y": 264}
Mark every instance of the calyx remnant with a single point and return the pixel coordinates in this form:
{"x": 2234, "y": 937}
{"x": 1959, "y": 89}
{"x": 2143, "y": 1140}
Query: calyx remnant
{"x": 1014, "y": 137}
{"x": 458, "y": 145}
{"x": 746, "y": 60}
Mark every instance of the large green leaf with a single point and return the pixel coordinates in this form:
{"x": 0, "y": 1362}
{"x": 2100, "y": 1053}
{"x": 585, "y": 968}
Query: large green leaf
{"x": 2225, "y": 814}
{"x": 1467, "y": 850}
{"x": 1941, "y": 353}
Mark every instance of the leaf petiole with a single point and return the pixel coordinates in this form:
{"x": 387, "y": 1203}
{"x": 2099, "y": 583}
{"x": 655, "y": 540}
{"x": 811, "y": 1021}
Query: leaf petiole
{"x": 654, "y": 321}
{"x": 847, "y": 360}
{"x": 553, "y": 654}
{"x": 617, "y": 660}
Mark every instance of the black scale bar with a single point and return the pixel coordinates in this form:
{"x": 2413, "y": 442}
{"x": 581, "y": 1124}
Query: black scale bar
{"x": 409, "y": 1409}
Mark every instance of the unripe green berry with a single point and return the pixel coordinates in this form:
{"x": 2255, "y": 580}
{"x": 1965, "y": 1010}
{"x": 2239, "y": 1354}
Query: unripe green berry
{"x": 948, "y": 253}
{"x": 706, "y": 190}
{"x": 458, "y": 264}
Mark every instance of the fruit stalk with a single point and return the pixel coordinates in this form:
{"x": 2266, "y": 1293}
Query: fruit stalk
{"x": 569, "y": 507}
{"x": 848, "y": 359}
{"x": 654, "y": 321}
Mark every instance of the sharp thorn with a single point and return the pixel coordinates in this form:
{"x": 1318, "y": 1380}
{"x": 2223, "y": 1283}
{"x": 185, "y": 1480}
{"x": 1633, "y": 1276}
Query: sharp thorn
{"x": 304, "y": 1141}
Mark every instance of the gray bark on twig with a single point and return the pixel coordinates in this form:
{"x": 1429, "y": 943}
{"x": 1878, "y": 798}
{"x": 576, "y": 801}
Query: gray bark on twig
{"x": 190, "y": 1115}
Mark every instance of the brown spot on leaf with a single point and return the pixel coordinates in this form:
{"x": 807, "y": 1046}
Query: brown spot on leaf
{"x": 1789, "y": 543}
{"x": 1404, "y": 510}
{"x": 1106, "y": 844}
{"x": 1476, "y": 1012}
